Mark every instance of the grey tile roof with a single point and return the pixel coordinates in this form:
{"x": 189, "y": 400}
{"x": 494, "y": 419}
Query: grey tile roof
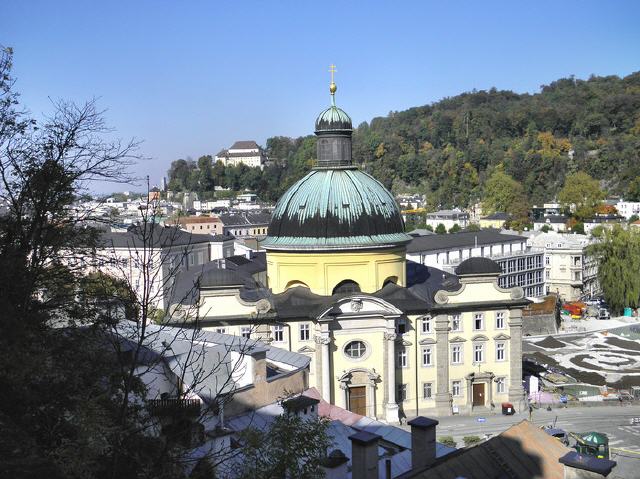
{"x": 158, "y": 237}
{"x": 464, "y": 239}
{"x": 244, "y": 145}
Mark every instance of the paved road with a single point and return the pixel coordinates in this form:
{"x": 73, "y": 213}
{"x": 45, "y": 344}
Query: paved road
{"x": 614, "y": 421}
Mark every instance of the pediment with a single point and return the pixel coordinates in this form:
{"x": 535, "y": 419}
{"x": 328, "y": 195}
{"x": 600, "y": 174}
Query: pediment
{"x": 359, "y": 304}
{"x": 306, "y": 349}
{"x": 502, "y": 336}
{"x": 480, "y": 337}
{"x": 427, "y": 341}
{"x": 457, "y": 339}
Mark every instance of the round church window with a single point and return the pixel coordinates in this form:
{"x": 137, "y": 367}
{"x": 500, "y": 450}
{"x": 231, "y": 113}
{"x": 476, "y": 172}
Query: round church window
{"x": 355, "y": 349}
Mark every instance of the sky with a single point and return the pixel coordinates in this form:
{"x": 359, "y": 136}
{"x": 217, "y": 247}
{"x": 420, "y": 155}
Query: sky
{"x": 189, "y": 78}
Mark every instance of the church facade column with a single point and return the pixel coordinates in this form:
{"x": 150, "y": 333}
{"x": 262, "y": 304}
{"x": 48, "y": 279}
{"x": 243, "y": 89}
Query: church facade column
{"x": 323, "y": 342}
{"x": 516, "y": 391}
{"x": 443, "y": 397}
{"x": 390, "y": 405}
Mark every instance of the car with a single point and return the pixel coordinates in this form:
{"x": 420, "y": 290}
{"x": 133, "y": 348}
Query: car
{"x": 560, "y": 434}
{"x": 604, "y": 314}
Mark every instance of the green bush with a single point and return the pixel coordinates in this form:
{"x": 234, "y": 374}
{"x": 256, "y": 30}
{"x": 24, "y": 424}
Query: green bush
{"x": 471, "y": 440}
{"x": 447, "y": 441}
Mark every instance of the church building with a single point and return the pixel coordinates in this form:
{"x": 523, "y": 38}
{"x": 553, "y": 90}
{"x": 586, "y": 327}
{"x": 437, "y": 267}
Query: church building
{"x": 337, "y": 289}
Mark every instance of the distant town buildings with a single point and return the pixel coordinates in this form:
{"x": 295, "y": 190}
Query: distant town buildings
{"x": 243, "y": 152}
{"x": 521, "y": 265}
{"x": 448, "y": 218}
{"x": 246, "y": 223}
{"x": 201, "y": 224}
{"x": 569, "y": 271}
{"x": 627, "y": 209}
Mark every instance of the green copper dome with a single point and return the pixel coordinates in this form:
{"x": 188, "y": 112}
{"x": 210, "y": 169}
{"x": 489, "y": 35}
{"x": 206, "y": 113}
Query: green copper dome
{"x": 336, "y": 208}
{"x": 333, "y": 118}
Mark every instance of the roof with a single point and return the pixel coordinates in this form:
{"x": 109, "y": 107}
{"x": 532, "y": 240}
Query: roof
{"x": 333, "y": 118}
{"x": 244, "y": 145}
{"x": 498, "y": 215}
{"x": 600, "y": 466}
{"x": 463, "y": 239}
{"x": 523, "y": 451}
{"x": 198, "y": 219}
{"x": 220, "y": 278}
{"x": 245, "y": 219}
{"x": 478, "y": 265}
{"x": 555, "y": 219}
{"x": 336, "y": 208}
{"x": 157, "y": 237}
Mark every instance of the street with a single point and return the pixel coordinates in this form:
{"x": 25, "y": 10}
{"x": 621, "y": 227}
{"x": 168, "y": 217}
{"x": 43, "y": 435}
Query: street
{"x": 614, "y": 421}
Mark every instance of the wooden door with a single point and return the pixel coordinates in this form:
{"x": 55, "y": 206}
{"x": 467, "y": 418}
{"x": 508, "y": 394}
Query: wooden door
{"x": 358, "y": 400}
{"x": 478, "y": 394}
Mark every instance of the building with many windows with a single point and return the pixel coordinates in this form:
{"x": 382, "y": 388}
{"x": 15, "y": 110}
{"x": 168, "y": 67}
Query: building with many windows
{"x": 569, "y": 271}
{"x": 338, "y": 292}
{"x": 521, "y": 264}
{"x": 243, "y": 152}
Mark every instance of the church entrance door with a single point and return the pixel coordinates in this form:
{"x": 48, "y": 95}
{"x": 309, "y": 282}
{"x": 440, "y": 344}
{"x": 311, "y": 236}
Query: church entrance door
{"x": 358, "y": 400}
{"x": 478, "y": 394}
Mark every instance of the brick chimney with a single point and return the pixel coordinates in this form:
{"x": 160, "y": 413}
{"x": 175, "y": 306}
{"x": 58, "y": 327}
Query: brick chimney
{"x": 364, "y": 455}
{"x": 423, "y": 442}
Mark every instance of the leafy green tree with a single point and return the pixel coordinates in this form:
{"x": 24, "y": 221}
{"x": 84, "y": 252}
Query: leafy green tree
{"x": 504, "y": 194}
{"x": 578, "y": 228}
{"x": 633, "y": 219}
{"x": 292, "y": 447}
{"x": 581, "y": 190}
{"x": 618, "y": 255}
{"x": 441, "y": 229}
{"x": 455, "y": 228}
{"x": 633, "y": 190}
{"x": 545, "y": 228}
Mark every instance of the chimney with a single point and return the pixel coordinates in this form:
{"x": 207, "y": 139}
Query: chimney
{"x": 423, "y": 442}
{"x": 364, "y": 455}
{"x": 580, "y": 466}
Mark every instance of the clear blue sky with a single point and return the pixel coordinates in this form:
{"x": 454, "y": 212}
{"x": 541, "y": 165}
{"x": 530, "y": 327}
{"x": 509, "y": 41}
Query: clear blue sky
{"x": 191, "y": 77}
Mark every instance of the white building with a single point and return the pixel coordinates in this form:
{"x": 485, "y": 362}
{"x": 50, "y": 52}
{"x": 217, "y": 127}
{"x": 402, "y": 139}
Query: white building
{"x": 628, "y": 208}
{"x": 554, "y": 222}
{"x": 243, "y": 152}
{"x": 448, "y": 218}
{"x": 521, "y": 265}
{"x": 169, "y": 252}
{"x": 569, "y": 271}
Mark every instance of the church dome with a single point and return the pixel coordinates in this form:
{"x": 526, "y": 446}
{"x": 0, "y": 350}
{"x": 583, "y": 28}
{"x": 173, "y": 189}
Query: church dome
{"x": 332, "y": 119}
{"x": 336, "y": 208}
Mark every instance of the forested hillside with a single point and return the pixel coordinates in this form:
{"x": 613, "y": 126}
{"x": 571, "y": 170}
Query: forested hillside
{"x": 446, "y": 150}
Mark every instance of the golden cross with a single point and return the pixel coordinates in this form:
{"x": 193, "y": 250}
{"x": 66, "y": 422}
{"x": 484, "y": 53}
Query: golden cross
{"x": 332, "y": 70}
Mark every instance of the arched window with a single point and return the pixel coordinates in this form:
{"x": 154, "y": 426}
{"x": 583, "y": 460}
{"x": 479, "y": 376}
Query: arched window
{"x": 295, "y": 284}
{"x": 346, "y": 286}
{"x": 390, "y": 279}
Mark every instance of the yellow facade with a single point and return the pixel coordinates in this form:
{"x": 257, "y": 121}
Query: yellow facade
{"x": 321, "y": 272}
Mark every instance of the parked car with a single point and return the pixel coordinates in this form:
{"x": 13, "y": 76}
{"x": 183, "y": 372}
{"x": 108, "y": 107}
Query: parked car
{"x": 604, "y": 314}
{"x": 560, "y": 434}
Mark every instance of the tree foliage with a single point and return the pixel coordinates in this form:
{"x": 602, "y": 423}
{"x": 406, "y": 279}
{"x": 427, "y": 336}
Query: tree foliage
{"x": 504, "y": 194}
{"x": 581, "y": 190}
{"x": 449, "y": 148}
{"x": 292, "y": 447}
{"x": 618, "y": 254}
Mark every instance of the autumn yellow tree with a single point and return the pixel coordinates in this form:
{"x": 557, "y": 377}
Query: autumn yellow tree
{"x": 582, "y": 194}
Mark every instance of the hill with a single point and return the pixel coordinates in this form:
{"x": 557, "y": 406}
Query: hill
{"x": 446, "y": 150}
